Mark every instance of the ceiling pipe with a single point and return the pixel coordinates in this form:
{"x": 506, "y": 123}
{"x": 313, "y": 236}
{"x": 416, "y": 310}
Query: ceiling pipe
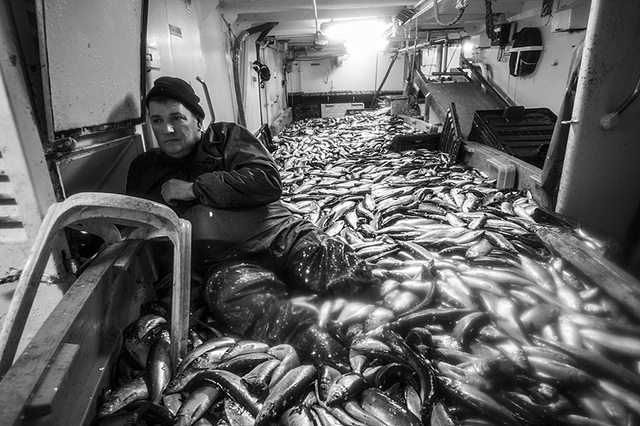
{"x": 319, "y": 41}
{"x": 426, "y": 44}
{"x": 412, "y": 14}
{"x": 418, "y": 10}
{"x": 237, "y": 52}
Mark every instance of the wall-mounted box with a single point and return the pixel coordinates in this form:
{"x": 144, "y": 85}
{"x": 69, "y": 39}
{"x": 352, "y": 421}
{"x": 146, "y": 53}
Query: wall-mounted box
{"x": 571, "y": 18}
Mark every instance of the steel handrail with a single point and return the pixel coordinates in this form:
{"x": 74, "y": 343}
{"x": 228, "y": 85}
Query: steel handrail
{"x": 99, "y": 213}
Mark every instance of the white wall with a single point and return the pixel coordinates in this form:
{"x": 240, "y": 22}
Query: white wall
{"x": 273, "y": 95}
{"x": 363, "y": 72}
{"x": 176, "y": 56}
{"x": 23, "y": 166}
{"x": 262, "y": 105}
{"x": 205, "y": 50}
{"x": 546, "y": 85}
{"x": 217, "y": 72}
{"x": 430, "y": 59}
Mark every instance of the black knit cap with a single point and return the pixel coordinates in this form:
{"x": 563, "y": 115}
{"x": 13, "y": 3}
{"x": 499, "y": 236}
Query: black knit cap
{"x": 178, "y": 89}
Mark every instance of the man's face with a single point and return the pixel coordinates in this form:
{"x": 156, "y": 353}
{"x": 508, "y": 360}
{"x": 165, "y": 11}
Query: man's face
{"x": 174, "y": 126}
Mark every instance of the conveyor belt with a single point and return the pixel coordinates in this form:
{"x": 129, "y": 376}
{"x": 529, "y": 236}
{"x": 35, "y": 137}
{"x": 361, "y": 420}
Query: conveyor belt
{"x": 467, "y": 96}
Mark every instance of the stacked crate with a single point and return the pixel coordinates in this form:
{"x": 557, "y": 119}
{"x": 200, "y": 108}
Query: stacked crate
{"x": 523, "y": 133}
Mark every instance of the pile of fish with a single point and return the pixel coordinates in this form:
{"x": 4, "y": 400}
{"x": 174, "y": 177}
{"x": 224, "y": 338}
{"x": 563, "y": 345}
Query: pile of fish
{"x": 478, "y": 323}
{"x": 511, "y": 330}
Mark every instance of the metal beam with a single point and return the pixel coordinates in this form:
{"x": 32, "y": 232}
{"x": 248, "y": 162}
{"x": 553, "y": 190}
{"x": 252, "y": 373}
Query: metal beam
{"x": 306, "y": 14}
{"x": 287, "y": 5}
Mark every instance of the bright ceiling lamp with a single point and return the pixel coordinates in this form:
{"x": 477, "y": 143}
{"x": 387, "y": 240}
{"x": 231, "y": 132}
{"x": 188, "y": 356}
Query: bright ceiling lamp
{"x": 358, "y": 35}
{"x": 467, "y": 48}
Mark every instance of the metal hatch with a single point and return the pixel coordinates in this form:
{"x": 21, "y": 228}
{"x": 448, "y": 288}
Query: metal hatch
{"x": 92, "y": 64}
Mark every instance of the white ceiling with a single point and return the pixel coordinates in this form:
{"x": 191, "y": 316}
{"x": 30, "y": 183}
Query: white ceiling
{"x": 297, "y": 24}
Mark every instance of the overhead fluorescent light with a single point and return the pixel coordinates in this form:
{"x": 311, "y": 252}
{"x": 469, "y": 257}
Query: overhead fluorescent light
{"x": 358, "y": 34}
{"x": 354, "y": 28}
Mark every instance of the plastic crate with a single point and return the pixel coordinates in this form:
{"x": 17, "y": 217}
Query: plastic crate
{"x": 305, "y": 111}
{"x": 428, "y": 141}
{"x": 524, "y": 134}
{"x": 339, "y": 110}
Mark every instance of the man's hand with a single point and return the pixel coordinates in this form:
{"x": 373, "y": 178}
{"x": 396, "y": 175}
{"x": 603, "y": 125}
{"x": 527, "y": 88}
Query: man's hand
{"x": 177, "y": 190}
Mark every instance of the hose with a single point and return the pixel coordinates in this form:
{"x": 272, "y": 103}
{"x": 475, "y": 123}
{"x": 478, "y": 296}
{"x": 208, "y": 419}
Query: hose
{"x": 461, "y": 6}
{"x": 524, "y": 62}
{"x": 611, "y": 120}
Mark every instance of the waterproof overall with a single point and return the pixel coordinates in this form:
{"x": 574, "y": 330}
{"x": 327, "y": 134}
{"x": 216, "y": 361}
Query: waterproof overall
{"x": 252, "y": 251}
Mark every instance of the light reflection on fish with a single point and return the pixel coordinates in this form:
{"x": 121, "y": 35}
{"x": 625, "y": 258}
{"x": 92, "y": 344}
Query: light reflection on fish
{"x": 467, "y": 284}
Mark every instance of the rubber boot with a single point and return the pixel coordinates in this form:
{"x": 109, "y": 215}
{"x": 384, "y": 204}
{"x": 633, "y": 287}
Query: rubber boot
{"x": 317, "y": 346}
{"x": 251, "y": 301}
{"x": 355, "y": 282}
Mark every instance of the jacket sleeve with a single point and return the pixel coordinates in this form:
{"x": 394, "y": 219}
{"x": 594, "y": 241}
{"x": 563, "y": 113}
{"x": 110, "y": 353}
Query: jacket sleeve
{"x": 243, "y": 174}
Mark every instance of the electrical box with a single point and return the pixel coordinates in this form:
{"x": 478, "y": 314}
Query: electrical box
{"x": 571, "y": 19}
{"x": 501, "y": 34}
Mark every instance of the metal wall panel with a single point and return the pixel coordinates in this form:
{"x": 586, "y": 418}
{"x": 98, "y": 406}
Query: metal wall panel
{"x": 92, "y": 52}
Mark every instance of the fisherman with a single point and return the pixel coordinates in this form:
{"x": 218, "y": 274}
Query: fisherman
{"x": 251, "y": 251}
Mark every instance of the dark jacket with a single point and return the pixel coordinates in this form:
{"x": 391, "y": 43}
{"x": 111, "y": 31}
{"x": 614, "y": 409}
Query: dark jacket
{"x": 230, "y": 168}
{"x": 237, "y": 212}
